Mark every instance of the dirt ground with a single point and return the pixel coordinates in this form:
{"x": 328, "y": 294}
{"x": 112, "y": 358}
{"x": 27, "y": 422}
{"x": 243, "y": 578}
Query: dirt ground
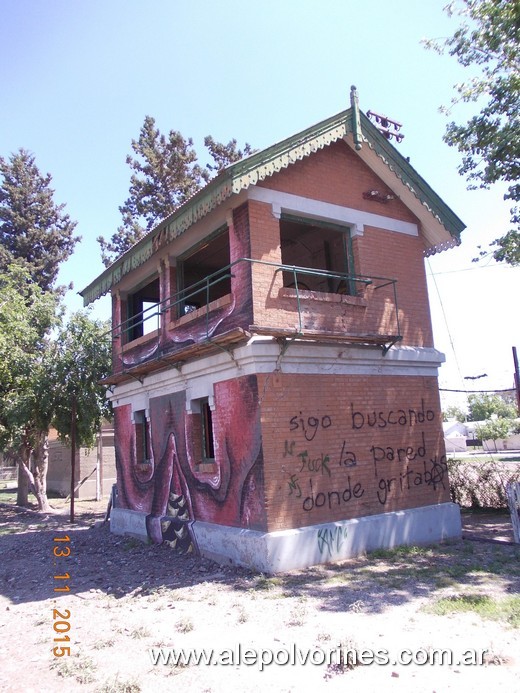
{"x": 126, "y": 597}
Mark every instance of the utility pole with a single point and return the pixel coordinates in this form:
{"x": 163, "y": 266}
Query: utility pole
{"x": 517, "y": 379}
{"x": 72, "y": 458}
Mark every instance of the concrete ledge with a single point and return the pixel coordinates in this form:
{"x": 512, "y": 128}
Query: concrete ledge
{"x": 293, "y": 549}
{"x": 299, "y": 548}
{"x": 129, "y": 523}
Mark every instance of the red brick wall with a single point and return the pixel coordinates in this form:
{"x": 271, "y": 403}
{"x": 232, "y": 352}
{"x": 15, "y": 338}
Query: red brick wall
{"x": 265, "y": 246}
{"x": 336, "y": 175}
{"x": 347, "y": 446}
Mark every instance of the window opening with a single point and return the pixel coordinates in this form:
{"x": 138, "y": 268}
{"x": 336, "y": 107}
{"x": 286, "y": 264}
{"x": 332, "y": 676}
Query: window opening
{"x": 208, "y": 447}
{"x": 319, "y": 246}
{"x": 142, "y": 438}
{"x": 143, "y": 310}
{"x": 206, "y": 259}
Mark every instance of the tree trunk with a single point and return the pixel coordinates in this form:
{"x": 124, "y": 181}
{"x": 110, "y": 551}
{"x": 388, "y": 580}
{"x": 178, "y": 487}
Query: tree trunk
{"x": 25, "y": 477}
{"x": 40, "y": 465}
{"x": 22, "y": 493}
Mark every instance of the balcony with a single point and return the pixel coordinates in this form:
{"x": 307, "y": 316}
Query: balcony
{"x": 265, "y": 298}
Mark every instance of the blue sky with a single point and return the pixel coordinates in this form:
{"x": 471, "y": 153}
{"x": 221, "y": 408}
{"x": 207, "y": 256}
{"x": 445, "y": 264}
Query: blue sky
{"x": 78, "y": 77}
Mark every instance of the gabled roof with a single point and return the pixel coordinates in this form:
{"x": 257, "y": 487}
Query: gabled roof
{"x": 440, "y": 226}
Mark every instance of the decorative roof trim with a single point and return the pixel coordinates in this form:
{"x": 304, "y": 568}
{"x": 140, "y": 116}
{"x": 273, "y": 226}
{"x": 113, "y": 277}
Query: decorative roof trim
{"x": 415, "y": 183}
{"x": 232, "y": 180}
{"x": 262, "y": 165}
{"x": 434, "y": 249}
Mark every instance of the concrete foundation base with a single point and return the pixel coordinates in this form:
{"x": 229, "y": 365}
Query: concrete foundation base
{"x": 129, "y": 523}
{"x": 293, "y": 549}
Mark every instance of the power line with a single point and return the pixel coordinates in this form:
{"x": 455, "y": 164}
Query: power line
{"x": 467, "y": 269}
{"x": 446, "y": 322}
{"x": 445, "y": 389}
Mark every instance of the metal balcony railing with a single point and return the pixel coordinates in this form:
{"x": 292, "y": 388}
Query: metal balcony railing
{"x": 299, "y": 277}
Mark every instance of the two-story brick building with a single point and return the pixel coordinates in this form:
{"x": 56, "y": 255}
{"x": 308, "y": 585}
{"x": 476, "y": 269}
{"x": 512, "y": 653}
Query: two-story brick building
{"x": 274, "y": 376}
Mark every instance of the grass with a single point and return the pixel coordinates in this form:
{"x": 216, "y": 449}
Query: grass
{"x": 411, "y": 567}
{"x": 298, "y": 613}
{"x": 349, "y": 659}
{"x": 401, "y": 552}
{"x": 185, "y": 625}
{"x": 101, "y": 644}
{"x": 267, "y": 583}
{"x": 81, "y": 668}
{"x": 117, "y": 686}
{"x": 486, "y": 457}
{"x": 242, "y": 616}
{"x": 505, "y": 610}
{"x": 7, "y": 493}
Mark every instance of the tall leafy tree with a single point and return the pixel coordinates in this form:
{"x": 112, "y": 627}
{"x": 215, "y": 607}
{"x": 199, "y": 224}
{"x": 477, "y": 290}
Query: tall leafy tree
{"x": 40, "y": 377}
{"x": 225, "y": 154}
{"x": 494, "y": 429}
{"x": 26, "y": 396}
{"x": 82, "y": 356}
{"x": 165, "y": 173}
{"x": 488, "y": 40}
{"x": 35, "y": 232}
{"x": 484, "y": 406}
{"x": 454, "y": 412}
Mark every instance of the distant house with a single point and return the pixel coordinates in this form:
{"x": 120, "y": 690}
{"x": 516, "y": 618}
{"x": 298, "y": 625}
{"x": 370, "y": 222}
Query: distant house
{"x": 94, "y": 466}
{"x": 455, "y": 436}
{"x": 274, "y": 377}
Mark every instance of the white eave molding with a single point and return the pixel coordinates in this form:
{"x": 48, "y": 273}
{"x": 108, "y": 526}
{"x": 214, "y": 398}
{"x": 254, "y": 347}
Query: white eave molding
{"x": 325, "y": 211}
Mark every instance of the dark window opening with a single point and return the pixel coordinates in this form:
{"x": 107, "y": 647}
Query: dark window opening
{"x": 207, "y": 259}
{"x": 208, "y": 446}
{"x": 142, "y": 438}
{"x": 317, "y": 246}
{"x": 143, "y": 316}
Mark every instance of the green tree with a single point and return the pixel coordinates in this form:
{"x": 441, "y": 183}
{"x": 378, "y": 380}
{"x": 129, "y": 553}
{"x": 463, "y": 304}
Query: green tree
{"x": 39, "y": 377}
{"x": 489, "y": 40}
{"x": 165, "y": 173}
{"x": 34, "y": 230}
{"x": 26, "y": 315}
{"x": 484, "y": 406}
{"x": 81, "y": 358}
{"x": 494, "y": 429}
{"x": 225, "y": 154}
{"x": 454, "y": 412}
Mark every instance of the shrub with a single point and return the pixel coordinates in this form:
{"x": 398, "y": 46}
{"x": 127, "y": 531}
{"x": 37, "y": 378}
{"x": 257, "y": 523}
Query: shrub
{"x": 480, "y": 484}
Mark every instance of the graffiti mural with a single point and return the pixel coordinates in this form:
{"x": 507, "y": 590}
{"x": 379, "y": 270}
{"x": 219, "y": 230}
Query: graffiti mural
{"x": 177, "y": 486}
{"x": 174, "y": 528}
{"x": 207, "y": 322}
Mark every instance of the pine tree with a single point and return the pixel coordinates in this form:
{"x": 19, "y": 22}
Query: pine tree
{"x": 34, "y": 230}
{"x": 165, "y": 174}
{"x": 225, "y": 154}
